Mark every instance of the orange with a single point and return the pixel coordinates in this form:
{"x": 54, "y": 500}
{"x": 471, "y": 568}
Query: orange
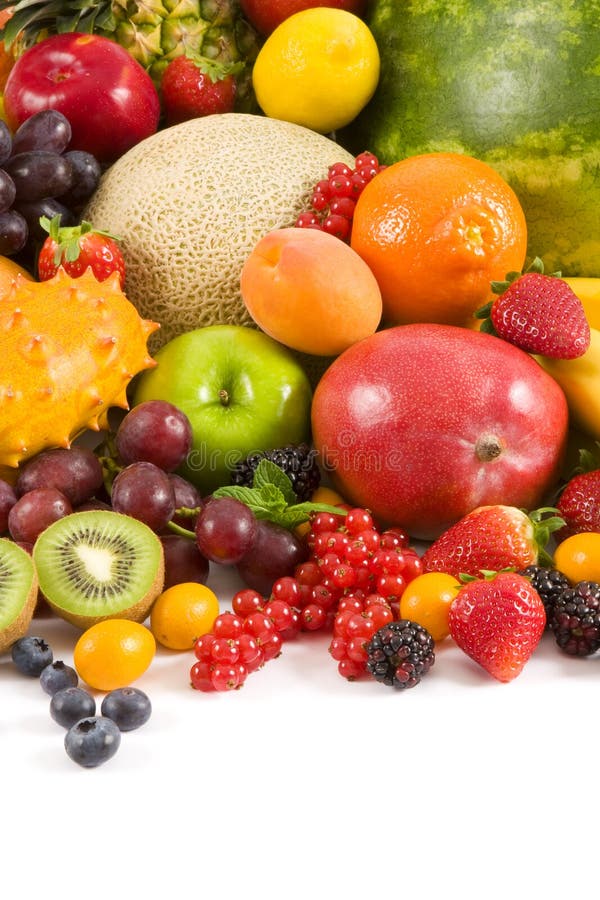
{"x": 182, "y": 613}
{"x": 436, "y": 230}
{"x": 578, "y": 557}
{"x": 113, "y": 653}
{"x": 427, "y": 599}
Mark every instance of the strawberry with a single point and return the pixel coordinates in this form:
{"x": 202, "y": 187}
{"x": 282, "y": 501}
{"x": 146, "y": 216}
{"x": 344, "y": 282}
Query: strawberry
{"x": 498, "y": 621}
{"x": 78, "y": 248}
{"x": 492, "y": 538}
{"x": 538, "y": 313}
{"x": 194, "y": 86}
{"x": 579, "y": 501}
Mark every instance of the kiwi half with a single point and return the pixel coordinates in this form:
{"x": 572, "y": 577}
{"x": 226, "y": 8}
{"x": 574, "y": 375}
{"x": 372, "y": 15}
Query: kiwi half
{"x": 97, "y": 565}
{"x": 18, "y": 592}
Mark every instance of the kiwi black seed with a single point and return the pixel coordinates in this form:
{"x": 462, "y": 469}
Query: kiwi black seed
{"x": 99, "y": 564}
{"x": 18, "y": 592}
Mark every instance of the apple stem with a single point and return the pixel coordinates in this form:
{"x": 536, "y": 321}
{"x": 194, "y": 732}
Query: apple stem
{"x": 224, "y": 397}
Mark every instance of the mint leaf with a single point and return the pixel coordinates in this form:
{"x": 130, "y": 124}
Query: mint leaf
{"x": 271, "y": 496}
{"x": 244, "y": 494}
{"x": 269, "y": 473}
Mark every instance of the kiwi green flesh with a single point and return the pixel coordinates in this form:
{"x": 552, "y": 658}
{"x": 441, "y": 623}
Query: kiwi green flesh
{"x": 97, "y": 565}
{"x": 18, "y": 592}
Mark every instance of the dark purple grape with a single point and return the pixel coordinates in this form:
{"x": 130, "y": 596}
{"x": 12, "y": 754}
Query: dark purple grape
{"x": 14, "y": 232}
{"x": 186, "y": 495}
{"x": 225, "y": 530}
{"x": 48, "y": 207}
{"x": 47, "y": 129}
{"x": 6, "y": 142}
{"x": 33, "y": 512}
{"x": 275, "y": 553}
{"x": 143, "y": 491}
{"x": 8, "y": 498}
{"x": 76, "y": 472}
{"x": 183, "y": 561}
{"x": 7, "y": 190}
{"x": 38, "y": 174}
{"x": 154, "y": 431}
{"x": 86, "y": 177}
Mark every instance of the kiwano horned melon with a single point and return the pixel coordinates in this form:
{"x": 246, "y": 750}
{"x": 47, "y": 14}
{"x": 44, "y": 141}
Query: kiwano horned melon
{"x": 70, "y": 346}
{"x": 190, "y": 203}
{"x": 514, "y": 84}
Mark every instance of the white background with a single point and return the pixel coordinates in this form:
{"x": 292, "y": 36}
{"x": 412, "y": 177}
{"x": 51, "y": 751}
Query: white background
{"x": 303, "y": 784}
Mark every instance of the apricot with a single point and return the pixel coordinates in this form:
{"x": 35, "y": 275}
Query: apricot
{"x": 310, "y": 291}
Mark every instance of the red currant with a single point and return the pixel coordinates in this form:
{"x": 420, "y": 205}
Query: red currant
{"x": 350, "y": 669}
{"x": 336, "y": 225}
{"x": 251, "y": 654}
{"x": 307, "y": 220}
{"x": 280, "y": 613}
{"x": 259, "y": 626}
{"x": 337, "y": 648}
{"x": 201, "y": 676}
{"x": 286, "y": 589}
{"x": 203, "y": 645}
{"x": 225, "y": 677}
{"x": 356, "y": 650}
{"x": 313, "y": 617}
{"x": 227, "y": 625}
{"x": 308, "y": 573}
{"x": 343, "y": 206}
{"x": 338, "y": 168}
{"x": 271, "y": 648}
{"x": 225, "y": 650}
{"x": 358, "y": 520}
{"x": 246, "y": 601}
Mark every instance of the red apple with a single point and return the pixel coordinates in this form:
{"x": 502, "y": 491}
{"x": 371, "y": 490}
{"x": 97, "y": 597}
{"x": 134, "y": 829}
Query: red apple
{"x": 108, "y": 97}
{"x": 423, "y": 423}
{"x": 266, "y": 15}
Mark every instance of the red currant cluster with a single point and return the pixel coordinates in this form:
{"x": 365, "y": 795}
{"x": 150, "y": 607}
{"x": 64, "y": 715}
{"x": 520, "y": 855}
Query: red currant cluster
{"x": 334, "y": 198}
{"x": 362, "y": 575}
{"x": 351, "y": 582}
{"x": 236, "y": 646}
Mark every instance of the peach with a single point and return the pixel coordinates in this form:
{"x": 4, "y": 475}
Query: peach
{"x": 310, "y": 291}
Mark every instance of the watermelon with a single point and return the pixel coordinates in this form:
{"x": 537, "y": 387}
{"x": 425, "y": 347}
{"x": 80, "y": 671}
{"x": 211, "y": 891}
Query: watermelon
{"x": 514, "y": 84}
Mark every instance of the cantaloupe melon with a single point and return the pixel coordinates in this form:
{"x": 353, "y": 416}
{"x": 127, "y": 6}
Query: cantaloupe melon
{"x": 190, "y": 203}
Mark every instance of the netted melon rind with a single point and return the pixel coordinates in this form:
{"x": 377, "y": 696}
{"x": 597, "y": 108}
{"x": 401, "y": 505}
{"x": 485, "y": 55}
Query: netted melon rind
{"x": 190, "y": 203}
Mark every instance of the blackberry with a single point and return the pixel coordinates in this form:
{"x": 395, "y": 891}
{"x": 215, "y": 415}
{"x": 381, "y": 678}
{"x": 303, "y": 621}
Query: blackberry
{"x": 400, "y": 654}
{"x": 575, "y": 619}
{"x": 298, "y": 461}
{"x": 549, "y": 583}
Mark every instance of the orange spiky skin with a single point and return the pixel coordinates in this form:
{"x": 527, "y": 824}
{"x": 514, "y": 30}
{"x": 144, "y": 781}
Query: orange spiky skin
{"x": 68, "y": 349}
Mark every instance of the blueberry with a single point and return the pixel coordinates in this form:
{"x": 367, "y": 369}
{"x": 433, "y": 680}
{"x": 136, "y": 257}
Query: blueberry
{"x": 128, "y": 707}
{"x": 71, "y": 704}
{"x": 31, "y": 655}
{"x": 57, "y": 676}
{"x": 92, "y": 741}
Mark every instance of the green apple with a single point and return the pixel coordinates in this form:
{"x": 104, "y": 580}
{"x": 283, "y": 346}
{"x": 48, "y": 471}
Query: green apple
{"x": 240, "y": 389}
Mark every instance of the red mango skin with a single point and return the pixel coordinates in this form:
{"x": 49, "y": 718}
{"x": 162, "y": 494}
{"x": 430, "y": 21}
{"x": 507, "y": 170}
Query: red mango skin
{"x": 423, "y": 423}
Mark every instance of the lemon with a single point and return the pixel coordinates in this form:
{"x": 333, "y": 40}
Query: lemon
{"x": 318, "y": 69}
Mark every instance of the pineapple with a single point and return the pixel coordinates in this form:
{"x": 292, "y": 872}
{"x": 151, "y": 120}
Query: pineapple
{"x": 153, "y": 31}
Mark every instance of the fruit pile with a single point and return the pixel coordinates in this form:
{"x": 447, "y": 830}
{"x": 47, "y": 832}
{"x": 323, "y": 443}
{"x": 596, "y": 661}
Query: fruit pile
{"x": 330, "y": 358}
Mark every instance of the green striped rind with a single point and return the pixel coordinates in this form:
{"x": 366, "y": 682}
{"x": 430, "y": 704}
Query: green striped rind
{"x": 517, "y": 85}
